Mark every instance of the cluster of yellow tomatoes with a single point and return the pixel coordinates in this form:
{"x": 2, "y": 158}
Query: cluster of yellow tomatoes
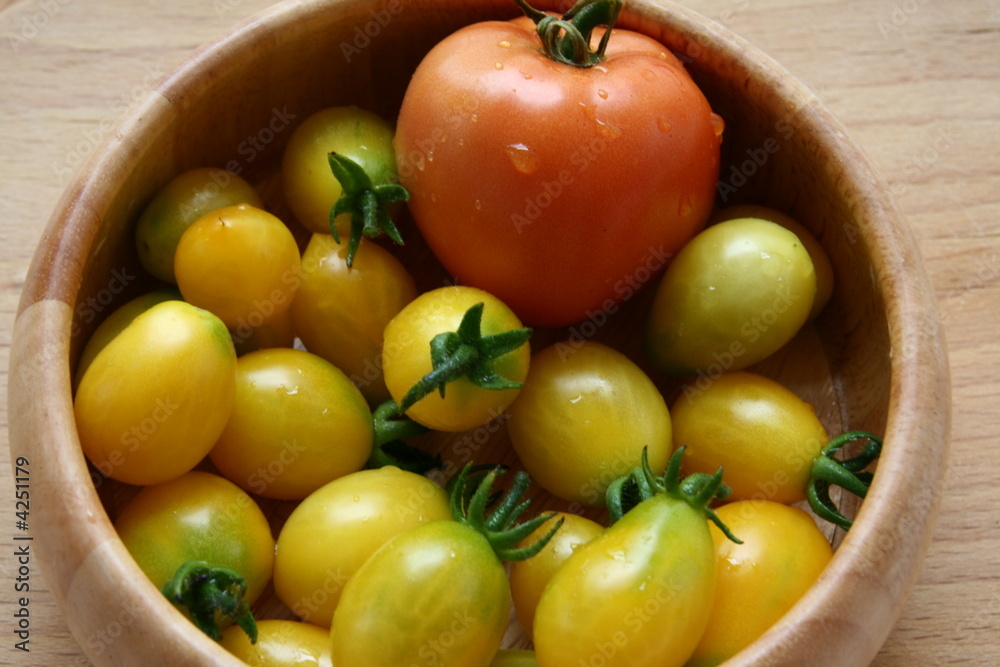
{"x": 297, "y": 368}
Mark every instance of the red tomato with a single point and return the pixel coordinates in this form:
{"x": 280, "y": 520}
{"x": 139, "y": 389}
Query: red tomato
{"x": 553, "y": 186}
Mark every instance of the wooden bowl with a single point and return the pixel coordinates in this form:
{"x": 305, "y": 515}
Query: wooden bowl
{"x": 874, "y": 360}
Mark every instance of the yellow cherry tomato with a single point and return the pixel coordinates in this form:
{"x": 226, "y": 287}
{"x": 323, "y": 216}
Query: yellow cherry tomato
{"x": 341, "y": 312}
{"x": 582, "y": 419}
{"x": 116, "y": 323}
{"x": 338, "y": 527}
{"x": 762, "y": 434}
{"x": 296, "y": 424}
{"x": 434, "y": 594}
{"x": 637, "y": 595}
{"x": 757, "y": 582}
{"x": 820, "y": 260}
{"x": 406, "y": 358}
{"x": 187, "y": 197}
{"x": 198, "y": 517}
{"x": 310, "y": 186}
{"x": 155, "y": 399}
{"x": 528, "y": 578}
{"x": 239, "y": 262}
{"x": 280, "y": 643}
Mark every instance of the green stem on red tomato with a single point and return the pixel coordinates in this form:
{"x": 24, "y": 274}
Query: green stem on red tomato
{"x": 391, "y": 428}
{"x": 847, "y": 474}
{"x": 567, "y": 39}
{"x": 209, "y": 592}
{"x": 472, "y": 495}
{"x": 365, "y": 202}
{"x": 466, "y": 353}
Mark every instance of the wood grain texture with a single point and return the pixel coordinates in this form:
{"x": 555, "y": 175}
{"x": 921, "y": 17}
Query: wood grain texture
{"x": 915, "y": 82}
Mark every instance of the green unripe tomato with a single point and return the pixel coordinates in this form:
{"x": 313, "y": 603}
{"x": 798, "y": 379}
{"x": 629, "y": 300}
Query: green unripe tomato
{"x": 821, "y": 261}
{"x": 733, "y": 296}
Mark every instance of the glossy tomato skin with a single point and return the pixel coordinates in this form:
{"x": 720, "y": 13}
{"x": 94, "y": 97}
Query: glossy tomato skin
{"x": 528, "y": 578}
{"x": 340, "y": 312}
{"x": 309, "y": 184}
{"x": 550, "y": 185}
{"x": 198, "y": 516}
{"x": 239, "y": 262}
{"x": 116, "y": 323}
{"x": 583, "y": 418}
{"x": 180, "y": 202}
{"x": 734, "y": 295}
{"x": 782, "y": 555}
{"x": 436, "y": 594}
{"x": 297, "y": 423}
{"x": 760, "y": 432}
{"x": 339, "y": 526}
{"x": 638, "y": 595}
{"x": 156, "y": 397}
{"x": 280, "y": 643}
{"x": 406, "y": 358}
{"x": 817, "y": 253}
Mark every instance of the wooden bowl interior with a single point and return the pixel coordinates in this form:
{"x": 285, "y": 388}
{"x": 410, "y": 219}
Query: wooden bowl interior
{"x": 236, "y": 103}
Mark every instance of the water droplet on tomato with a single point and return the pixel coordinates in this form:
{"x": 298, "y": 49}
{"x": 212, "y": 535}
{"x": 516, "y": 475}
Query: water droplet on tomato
{"x": 718, "y": 124}
{"x": 664, "y": 124}
{"x": 498, "y": 65}
{"x": 608, "y": 130}
{"x": 474, "y": 118}
{"x": 526, "y": 75}
{"x": 478, "y": 204}
{"x": 603, "y": 94}
{"x": 523, "y": 158}
{"x": 684, "y": 206}
{"x": 504, "y": 44}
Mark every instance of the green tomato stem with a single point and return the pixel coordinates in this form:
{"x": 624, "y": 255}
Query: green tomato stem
{"x": 826, "y": 471}
{"x": 366, "y": 203}
{"x": 209, "y": 592}
{"x": 567, "y": 39}
{"x": 466, "y": 353}
{"x": 698, "y": 490}
{"x": 391, "y": 428}
{"x": 469, "y": 505}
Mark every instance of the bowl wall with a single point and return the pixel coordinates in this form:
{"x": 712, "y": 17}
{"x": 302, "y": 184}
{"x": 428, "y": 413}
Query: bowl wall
{"x": 873, "y": 361}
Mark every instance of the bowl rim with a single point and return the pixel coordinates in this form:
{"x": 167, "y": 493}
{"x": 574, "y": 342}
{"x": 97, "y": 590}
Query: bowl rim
{"x": 90, "y": 560}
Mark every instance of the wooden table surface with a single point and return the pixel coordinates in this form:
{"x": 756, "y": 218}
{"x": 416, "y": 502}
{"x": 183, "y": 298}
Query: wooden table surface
{"x": 917, "y": 82}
